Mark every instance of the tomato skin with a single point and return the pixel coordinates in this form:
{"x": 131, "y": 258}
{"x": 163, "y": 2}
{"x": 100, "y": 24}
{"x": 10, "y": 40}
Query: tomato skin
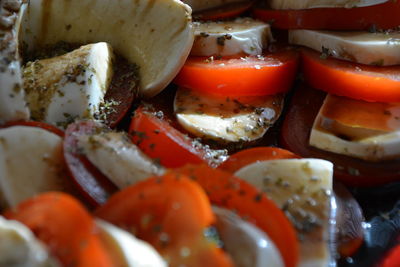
{"x": 357, "y": 81}
{"x": 159, "y": 140}
{"x": 228, "y": 191}
{"x": 383, "y": 16}
{"x": 43, "y": 125}
{"x": 225, "y": 12}
{"x": 171, "y": 206}
{"x": 67, "y": 229}
{"x": 295, "y": 133}
{"x": 392, "y": 259}
{"x": 234, "y": 76}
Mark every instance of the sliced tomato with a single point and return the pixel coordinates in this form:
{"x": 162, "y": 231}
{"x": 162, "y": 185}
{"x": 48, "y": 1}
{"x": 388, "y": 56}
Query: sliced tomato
{"x": 159, "y": 140}
{"x": 392, "y": 259}
{"x": 170, "y": 212}
{"x": 241, "y": 76}
{"x": 43, "y": 125}
{"x": 225, "y": 12}
{"x": 92, "y": 184}
{"x": 248, "y": 156}
{"x": 64, "y": 225}
{"x": 383, "y": 16}
{"x": 358, "y": 81}
{"x": 228, "y": 191}
{"x": 295, "y": 135}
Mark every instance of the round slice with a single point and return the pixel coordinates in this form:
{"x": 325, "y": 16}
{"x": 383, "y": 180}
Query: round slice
{"x": 268, "y": 74}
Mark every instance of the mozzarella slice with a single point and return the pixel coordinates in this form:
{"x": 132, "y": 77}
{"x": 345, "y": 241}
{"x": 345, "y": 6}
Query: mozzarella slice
{"x": 302, "y": 188}
{"x": 227, "y": 38}
{"x": 306, "y": 4}
{"x": 370, "y": 131}
{"x": 70, "y": 86}
{"x": 201, "y": 5}
{"x": 118, "y": 158}
{"x": 127, "y": 250}
{"x": 31, "y": 162}
{"x": 19, "y": 247}
{"x": 12, "y": 103}
{"x": 379, "y": 48}
{"x": 247, "y": 245}
{"x": 226, "y": 119}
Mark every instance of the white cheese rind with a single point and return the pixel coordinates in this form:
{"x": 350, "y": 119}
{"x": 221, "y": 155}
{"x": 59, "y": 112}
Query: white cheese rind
{"x": 118, "y": 158}
{"x": 306, "y": 4}
{"x": 381, "y": 49}
{"x": 155, "y": 35}
{"x": 302, "y": 187}
{"x": 19, "y": 247}
{"x": 127, "y": 250}
{"x": 226, "y": 119}
{"x": 228, "y": 38}
{"x": 70, "y": 86}
{"x": 31, "y": 162}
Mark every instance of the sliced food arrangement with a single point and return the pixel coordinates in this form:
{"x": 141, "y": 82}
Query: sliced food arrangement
{"x": 224, "y": 133}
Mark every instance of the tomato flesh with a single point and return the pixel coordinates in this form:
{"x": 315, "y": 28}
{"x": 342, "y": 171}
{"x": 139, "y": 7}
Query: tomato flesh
{"x": 225, "y": 12}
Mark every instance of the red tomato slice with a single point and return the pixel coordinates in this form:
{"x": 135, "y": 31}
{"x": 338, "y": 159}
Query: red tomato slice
{"x": 92, "y": 184}
{"x": 159, "y": 140}
{"x": 170, "y": 212}
{"x": 241, "y": 76}
{"x": 43, "y": 125}
{"x": 339, "y": 77}
{"x": 64, "y": 225}
{"x": 228, "y": 191}
{"x": 392, "y": 259}
{"x": 225, "y": 12}
{"x": 383, "y": 16}
{"x": 248, "y": 156}
{"x": 295, "y": 135}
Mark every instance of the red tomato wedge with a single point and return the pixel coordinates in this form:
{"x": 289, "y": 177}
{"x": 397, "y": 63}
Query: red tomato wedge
{"x": 248, "y": 156}
{"x": 241, "y": 76}
{"x": 228, "y": 191}
{"x": 383, "y": 16}
{"x": 339, "y": 77}
{"x": 159, "y": 140}
{"x": 225, "y": 12}
{"x": 170, "y": 212}
{"x": 64, "y": 225}
{"x": 392, "y": 259}
{"x": 43, "y": 125}
{"x": 94, "y": 186}
{"x": 295, "y": 133}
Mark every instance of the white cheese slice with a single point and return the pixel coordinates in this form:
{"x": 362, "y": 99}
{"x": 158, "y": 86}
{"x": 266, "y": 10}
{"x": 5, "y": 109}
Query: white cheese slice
{"x": 227, "y": 38}
{"x": 382, "y": 49}
{"x": 306, "y": 4}
{"x": 201, "y": 5}
{"x": 302, "y": 188}
{"x": 12, "y": 103}
{"x": 20, "y": 248}
{"x": 356, "y": 128}
{"x": 31, "y": 162}
{"x": 126, "y": 249}
{"x": 226, "y": 119}
{"x": 70, "y": 86}
{"x": 118, "y": 158}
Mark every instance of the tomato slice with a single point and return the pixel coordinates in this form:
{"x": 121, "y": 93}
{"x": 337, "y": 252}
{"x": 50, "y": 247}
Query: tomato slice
{"x": 64, "y": 225}
{"x": 383, "y": 16}
{"x": 248, "y": 156}
{"x": 170, "y": 212}
{"x": 43, "y": 125}
{"x": 295, "y": 135}
{"x": 339, "y": 77}
{"x": 228, "y": 191}
{"x": 93, "y": 185}
{"x": 225, "y": 12}
{"x": 393, "y": 258}
{"x": 159, "y": 140}
{"x": 241, "y": 76}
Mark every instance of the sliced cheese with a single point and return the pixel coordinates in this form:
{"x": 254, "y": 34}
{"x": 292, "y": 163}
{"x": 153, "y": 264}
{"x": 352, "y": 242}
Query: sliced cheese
{"x": 70, "y": 86}
{"x": 118, "y": 158}
{"x": 31, "y": 162}
{"x": 20, "y": 248}
{"x": 302, "y": 188}
{"x": 226, "y": 119}
{"x": 227, "y": 38}
{"x": 126, "y": 250}
{"x": 378, "y": 48}
{"x": 356, "y": 128}
{"x": 12, "y": 103}
{"x": 306, "y": 4}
